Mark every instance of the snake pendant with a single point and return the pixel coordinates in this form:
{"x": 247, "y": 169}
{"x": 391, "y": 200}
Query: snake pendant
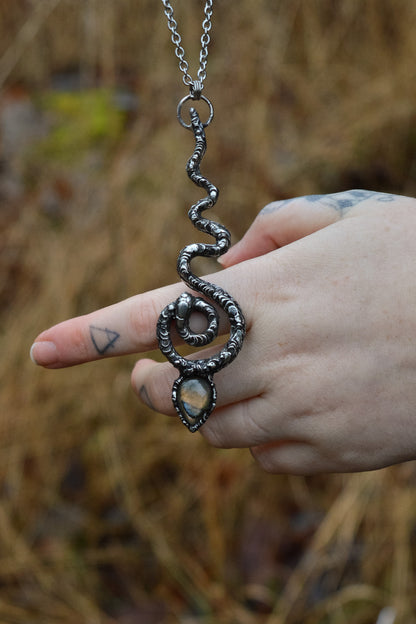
{"x": 194, "y": 394}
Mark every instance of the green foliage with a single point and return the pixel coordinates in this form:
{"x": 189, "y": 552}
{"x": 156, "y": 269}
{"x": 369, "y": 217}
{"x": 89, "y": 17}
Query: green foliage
{"x": 81, "y": 121}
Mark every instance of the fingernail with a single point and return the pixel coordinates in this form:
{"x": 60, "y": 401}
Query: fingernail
{"x": 223, "y": 259}
{"x": 44, "y": 353}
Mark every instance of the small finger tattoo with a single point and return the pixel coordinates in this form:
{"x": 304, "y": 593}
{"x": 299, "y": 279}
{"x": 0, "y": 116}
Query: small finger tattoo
{"x": 145, "y": 397}
{"x": 103, "y": 339}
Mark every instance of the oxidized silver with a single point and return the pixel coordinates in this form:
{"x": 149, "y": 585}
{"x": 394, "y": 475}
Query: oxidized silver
{"x": 194, "y": 95}
{"x": 194, "y": 393}
{"x": 180, "y": 52}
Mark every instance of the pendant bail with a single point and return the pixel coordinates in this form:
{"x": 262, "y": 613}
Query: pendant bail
{"x": 195, "y": 89}
{"x": 183, "y": 123}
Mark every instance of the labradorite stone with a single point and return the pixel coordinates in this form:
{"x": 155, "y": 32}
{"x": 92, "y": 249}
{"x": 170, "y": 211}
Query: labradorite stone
{"x": 194, "y": 396}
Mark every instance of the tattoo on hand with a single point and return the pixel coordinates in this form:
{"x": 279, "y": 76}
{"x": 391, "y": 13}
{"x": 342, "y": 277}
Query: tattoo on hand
{"x": 145, "y": 397}
{"x": 103, "y": 339}
{"x": 341, "y": 202}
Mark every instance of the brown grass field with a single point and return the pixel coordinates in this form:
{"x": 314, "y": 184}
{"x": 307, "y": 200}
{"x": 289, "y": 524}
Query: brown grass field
{"x": 110, "y": 513}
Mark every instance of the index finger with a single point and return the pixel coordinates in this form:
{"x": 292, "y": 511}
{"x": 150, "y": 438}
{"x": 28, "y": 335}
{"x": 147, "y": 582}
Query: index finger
{"x": 119, "y": 329}
{"x": 122, "y": 328}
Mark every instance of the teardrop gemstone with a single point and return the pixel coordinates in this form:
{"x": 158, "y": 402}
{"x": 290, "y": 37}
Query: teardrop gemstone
{"x": 194, "y": 397}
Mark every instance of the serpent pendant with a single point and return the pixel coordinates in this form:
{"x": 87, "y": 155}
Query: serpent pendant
{"x": 193, "y": 393}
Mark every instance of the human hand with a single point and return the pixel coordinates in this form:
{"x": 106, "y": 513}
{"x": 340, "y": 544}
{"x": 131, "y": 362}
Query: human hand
{"x": 325, "y": 381}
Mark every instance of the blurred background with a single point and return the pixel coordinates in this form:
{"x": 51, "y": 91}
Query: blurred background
{"x": 108, "y": 512}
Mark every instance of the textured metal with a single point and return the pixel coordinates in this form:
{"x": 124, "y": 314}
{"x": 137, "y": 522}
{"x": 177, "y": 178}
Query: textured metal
{"x": 180, "y": 311}
{"x": 194, "y": 95}
{"x": 180, "y": 52}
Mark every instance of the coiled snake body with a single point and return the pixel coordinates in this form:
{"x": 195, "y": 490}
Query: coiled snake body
{"x": 194, "y": 393}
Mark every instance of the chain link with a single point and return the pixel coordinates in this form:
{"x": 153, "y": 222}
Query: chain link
{"x": 180, "y": 52}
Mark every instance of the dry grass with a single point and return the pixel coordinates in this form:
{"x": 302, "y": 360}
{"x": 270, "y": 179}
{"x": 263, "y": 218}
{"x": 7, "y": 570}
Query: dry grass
{"x": 110, "y": 513}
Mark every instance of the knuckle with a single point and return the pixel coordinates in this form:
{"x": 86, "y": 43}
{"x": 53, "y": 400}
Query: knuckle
{"x": 142, "y": 321}
{"x": 257, "y": 432}
{"x": 212, "y": 432}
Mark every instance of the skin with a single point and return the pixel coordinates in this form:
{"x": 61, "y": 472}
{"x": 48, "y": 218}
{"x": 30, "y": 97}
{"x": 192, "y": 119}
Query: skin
{"x": 326, "y": 379}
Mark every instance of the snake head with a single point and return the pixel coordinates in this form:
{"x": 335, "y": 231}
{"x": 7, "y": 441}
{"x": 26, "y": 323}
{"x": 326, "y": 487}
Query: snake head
{"x": 196, "y": 123}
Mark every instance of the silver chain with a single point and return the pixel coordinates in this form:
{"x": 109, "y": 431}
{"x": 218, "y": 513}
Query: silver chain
{"x": 180, "y": 52}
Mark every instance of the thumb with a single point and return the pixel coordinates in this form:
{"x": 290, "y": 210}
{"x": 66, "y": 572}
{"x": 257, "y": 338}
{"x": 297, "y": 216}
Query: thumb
{"x": 281, "y": 223}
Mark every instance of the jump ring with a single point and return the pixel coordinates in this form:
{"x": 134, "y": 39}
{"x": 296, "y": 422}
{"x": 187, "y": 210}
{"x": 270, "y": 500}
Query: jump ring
{"x": 190, "y": 97}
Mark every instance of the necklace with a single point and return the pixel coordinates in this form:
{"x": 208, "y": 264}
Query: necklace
{"x": 193, "y": 393}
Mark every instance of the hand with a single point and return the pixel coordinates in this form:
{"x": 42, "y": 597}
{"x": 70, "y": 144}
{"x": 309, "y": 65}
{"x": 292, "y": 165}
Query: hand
{"x": 326, "y": 379}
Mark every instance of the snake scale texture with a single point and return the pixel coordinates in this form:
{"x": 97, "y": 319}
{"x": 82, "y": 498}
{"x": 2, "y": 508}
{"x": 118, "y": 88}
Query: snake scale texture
{"x": 194, "y": 393}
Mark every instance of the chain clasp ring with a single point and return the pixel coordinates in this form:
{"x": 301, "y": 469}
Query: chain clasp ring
{"x": 195, "y": 94}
